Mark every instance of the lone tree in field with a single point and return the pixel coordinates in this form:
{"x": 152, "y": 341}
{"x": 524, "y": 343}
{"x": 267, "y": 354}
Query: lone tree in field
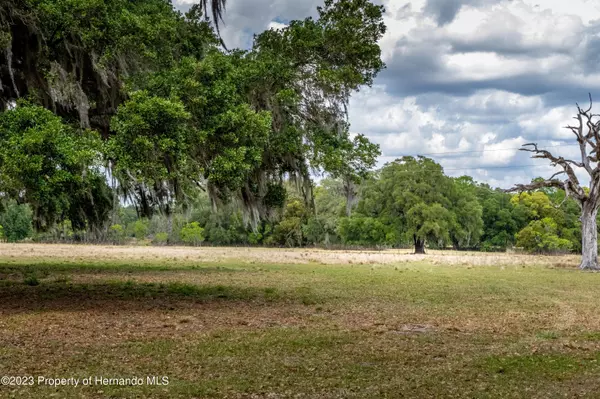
{"x": 587, "y": 132}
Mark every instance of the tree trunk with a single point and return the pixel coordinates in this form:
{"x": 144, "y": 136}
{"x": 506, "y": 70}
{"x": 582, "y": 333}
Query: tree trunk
{"x": 350, "y": 192}
{"x": 589, "y": 238}
{"x": 455, "y": 245}
{"x": 170, "y": 224}
{"x": 419, "y": 245}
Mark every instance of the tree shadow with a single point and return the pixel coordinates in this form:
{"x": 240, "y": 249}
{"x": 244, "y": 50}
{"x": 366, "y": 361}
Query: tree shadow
{"x": 27, "y": 295}
{"x": 44, "y": 269}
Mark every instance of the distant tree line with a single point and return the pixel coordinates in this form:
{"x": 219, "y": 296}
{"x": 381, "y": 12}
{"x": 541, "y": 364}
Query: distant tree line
{"x": 407, "y": 203}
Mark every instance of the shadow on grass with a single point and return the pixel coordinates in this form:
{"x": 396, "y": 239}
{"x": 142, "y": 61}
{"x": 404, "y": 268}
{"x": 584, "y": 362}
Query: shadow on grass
{"x": 25, "y": 295}
{"x": 550, "y": 365}
{"x": 43, "y": 269}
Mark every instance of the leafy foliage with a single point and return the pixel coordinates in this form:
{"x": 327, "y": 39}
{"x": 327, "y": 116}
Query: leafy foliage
{"x": 140, "y": 229}
{"x": 117, "y": 233}
{"x": 74, "y": 55}
{"x": 52, "y": 167}
{"x": 148, "y": 148}
{"x": 288, "y": 231}
{"x": 192, "y": 234}
{"x": 541, "y": 236}
{"x": 361, "y": 230}
{"x": 467, "y": 228}
{"x": 414, "y": 200}
{"x": 16, "y": 222}
{"x": 176, "y": 113}
{"x": 161, "y": 238}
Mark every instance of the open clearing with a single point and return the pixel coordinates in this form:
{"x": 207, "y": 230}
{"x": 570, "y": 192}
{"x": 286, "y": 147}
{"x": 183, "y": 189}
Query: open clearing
{"x": 262, "y": 323}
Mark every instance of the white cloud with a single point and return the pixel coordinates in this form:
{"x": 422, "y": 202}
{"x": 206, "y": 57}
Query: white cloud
{"x": 549, "y": 123}
{"x": 276, "y": 25}
{"x": 501, "y": 153}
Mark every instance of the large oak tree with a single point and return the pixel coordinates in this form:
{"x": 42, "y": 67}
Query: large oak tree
{"x": 179, "y": 112}
{"x": 415, "y": 202}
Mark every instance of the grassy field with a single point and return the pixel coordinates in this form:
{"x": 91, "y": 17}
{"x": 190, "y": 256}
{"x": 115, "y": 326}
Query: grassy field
{"x": 241, "y": 323}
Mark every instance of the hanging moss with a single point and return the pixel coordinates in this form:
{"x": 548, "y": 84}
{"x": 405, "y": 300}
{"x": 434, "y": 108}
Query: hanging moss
{"x": 5, "y": 38}
{"x": 75, "y": 57}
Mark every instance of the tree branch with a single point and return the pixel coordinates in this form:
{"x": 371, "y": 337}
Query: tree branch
{"x": 570, "y": 185}
{"x": 535, "y": 186}
{"x": 566, "y": 196}
{"x": 564, "y": 163}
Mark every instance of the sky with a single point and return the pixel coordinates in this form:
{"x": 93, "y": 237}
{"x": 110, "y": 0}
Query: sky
{"x": 467, "y": 81}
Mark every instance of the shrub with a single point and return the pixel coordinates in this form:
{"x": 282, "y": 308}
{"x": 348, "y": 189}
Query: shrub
{"x": 255, "y": 238}
{"x": 315, "y": 230}
{"x": 140, "y": 229}
{"x": 31, "y": 280}
{"x": 161, "y": 238}
{"x": 192, "y": 234}
{"x": 218, "y": 235}
{"x": 289, "y": 232}
{"x": 117, "y": 233}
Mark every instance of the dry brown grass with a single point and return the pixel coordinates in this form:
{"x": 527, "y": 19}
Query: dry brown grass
{"x": 272, "y": 255}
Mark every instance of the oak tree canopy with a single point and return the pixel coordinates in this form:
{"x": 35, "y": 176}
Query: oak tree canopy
{"x": 177, "y": 112}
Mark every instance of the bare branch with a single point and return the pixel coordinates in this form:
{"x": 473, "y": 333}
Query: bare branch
{"x": 566, "y": 197}
{"x": 564, "y": 163}
{"x": 535, "y": 186}
{"x": 582, "y": 140}
{"x": 556, "y": 174}
{"x": 589, "y": 109}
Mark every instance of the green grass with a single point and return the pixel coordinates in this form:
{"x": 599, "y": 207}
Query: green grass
{"x": 240, "y": 330}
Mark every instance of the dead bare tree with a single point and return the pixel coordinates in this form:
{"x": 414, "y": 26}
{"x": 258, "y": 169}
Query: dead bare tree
{"x": 587, "y": 133}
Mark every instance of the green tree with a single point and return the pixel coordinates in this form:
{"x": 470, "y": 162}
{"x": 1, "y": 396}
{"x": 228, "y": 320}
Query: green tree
{"x": 536, "y": 205}
{"x": 428, "y": 223}
{"x": 288, "y": 231}
{"x": 16, "y": 221}
{"x": 177, "y": 113}
{"x": 52, "y": 167}
{"x": 304, "y": 75}
{"x": 414, "y": 200}
{"x": 225, "y": 226}
{"x": 467, "y": 227}
{"x": 501, "y": 219}
{"x": 330, "y": 205}
{"x": 348, "y": 160}
{"x": 148, "y": 149}
{"x": 73, "y": 56}
{"x": 360, "y": 230}
{"x": 551, "y": 204}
